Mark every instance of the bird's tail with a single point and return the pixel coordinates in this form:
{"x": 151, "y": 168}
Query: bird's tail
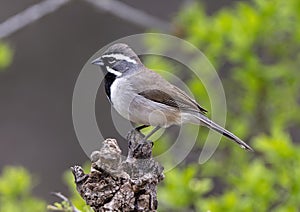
{"x": 210, "y": 124}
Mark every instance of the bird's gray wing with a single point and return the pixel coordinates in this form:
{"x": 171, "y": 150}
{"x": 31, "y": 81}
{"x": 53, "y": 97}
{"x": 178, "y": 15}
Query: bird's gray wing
{"x": 160, "y": 97}
{"x": 170, "y": 99}
{"x": 155, "y": 88}
{"x": 191, "y": 101}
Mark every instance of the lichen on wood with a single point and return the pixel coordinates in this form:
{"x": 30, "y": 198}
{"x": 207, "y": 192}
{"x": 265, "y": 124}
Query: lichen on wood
{"x": 116, "y": 183}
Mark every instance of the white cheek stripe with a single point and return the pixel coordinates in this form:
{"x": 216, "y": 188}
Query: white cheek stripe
{"x": 110, "y": 70}
{"x": 120, "y": 57}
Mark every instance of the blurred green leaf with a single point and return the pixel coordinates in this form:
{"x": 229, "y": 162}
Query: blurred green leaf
{"x": 5, "y": 55}
{"x": 15, "y": 191}
{"x": 255, "y": 47}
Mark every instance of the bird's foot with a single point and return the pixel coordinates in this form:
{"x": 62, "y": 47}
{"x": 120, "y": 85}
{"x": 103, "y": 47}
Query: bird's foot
{"x": 138, "y": 144}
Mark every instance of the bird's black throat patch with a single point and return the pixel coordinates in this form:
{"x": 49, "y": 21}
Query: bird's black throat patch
{"x": 108, "y": 81}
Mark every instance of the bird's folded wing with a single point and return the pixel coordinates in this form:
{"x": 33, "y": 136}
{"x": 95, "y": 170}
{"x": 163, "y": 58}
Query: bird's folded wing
{"x": 152, "y": 86}
{"x": 174, "y": 99}
{"x": 189, "y": 99}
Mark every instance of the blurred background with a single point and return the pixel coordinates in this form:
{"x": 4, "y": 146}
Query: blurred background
{"x": 254, "y": 46}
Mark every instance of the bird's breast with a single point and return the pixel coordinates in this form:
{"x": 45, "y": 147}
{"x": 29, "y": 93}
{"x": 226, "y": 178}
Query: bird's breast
{"x": 134, "y": 107}
{"x": 121, "y": 96}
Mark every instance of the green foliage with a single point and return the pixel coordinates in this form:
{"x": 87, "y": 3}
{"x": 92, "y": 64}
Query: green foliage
{"x": 75, "y": 198}
{"x": 255, "y": 49}
{"x": 62, "y": 206}
{"x": 5, "y": 55}
{"x": 269, "y": 182}
{"x": 15, "y": 191}
{"x": 185, "y": 186}
{"x": 266, "y": 181}
{"x": 257, "y": 44}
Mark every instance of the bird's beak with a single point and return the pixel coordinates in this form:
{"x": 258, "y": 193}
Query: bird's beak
{"x": 98, "y": 61}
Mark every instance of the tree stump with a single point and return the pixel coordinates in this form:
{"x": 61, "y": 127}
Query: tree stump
{"x": 117, "y": 184}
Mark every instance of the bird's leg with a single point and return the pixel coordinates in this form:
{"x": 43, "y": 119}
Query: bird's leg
{"x": 152, "y": 132}
{"x": 141, "y": 127}
{"x": 143, "y": 141}
{"x": 137, "y": 129}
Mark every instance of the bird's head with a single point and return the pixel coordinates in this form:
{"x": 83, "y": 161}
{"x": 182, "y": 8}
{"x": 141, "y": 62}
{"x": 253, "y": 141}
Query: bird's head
{"x": 118, "y": 59}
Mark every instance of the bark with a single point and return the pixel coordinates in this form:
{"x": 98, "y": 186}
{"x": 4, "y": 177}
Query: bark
{"x": 118, "y": 184}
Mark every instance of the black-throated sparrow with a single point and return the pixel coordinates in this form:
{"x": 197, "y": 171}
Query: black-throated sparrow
{"x": 144, "y": 97}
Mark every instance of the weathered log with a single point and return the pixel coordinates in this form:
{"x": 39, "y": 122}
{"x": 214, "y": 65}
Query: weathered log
{"x": 121, "y": 184}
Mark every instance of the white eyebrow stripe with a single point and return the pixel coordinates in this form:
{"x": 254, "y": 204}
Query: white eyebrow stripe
{"x": 120, "y": 57}
{"x": 110, "y": 70}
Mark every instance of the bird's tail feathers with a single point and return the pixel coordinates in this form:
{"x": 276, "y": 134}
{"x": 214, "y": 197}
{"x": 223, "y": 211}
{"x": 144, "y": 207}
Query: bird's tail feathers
{"x": 212, "y": 125}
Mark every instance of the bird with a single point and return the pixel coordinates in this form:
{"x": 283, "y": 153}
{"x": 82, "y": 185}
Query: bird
{"x": 147, "y": 99}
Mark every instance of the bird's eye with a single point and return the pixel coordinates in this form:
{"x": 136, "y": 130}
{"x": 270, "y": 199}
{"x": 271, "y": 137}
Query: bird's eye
{"x": 111, "y": 60}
